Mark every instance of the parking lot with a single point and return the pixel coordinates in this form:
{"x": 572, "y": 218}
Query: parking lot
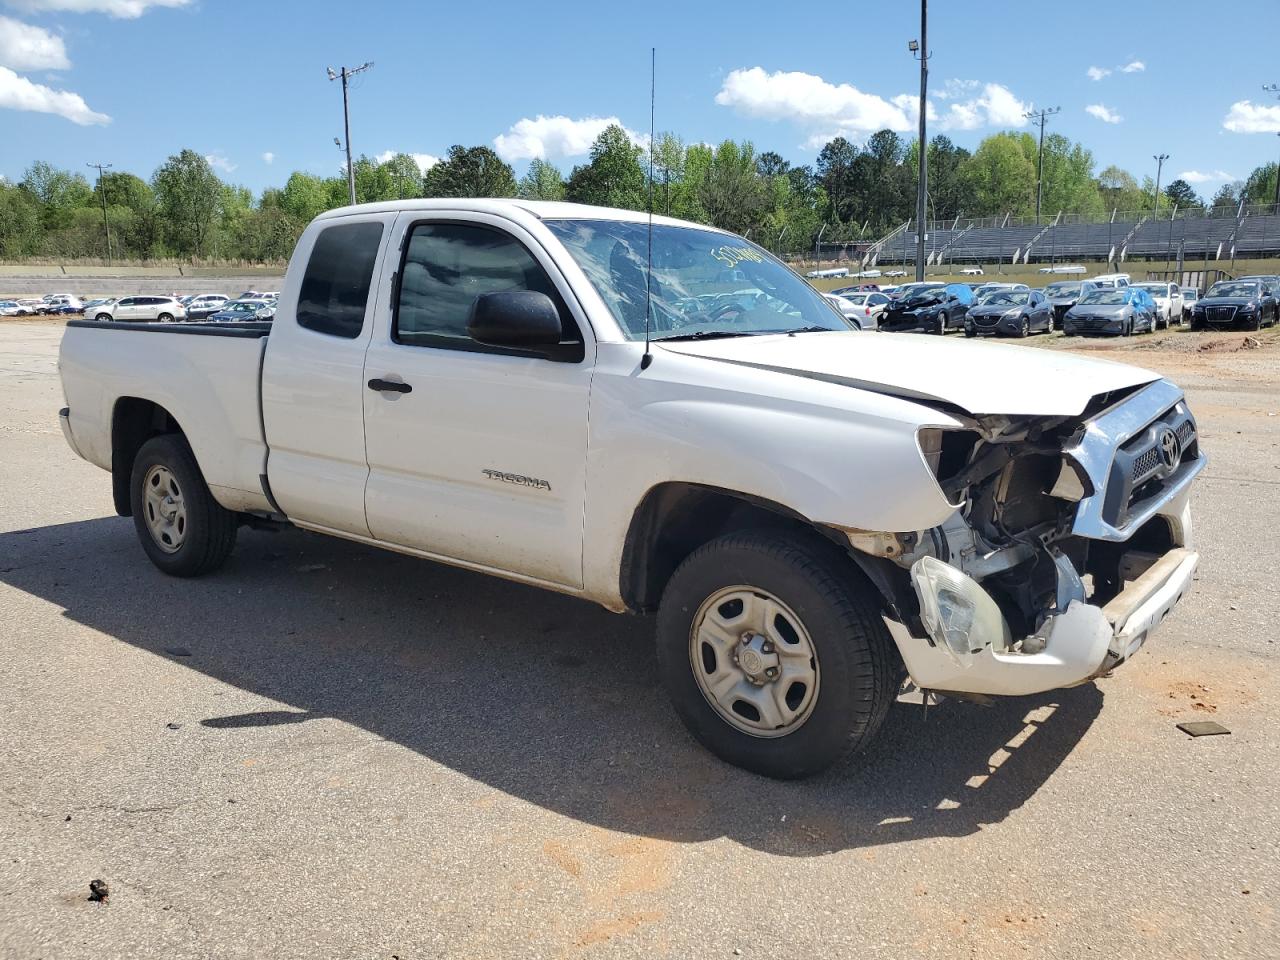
{"x": 327, "y": 750}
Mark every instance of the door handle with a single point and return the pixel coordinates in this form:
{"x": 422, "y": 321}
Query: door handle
{"x": 390, "y": 386}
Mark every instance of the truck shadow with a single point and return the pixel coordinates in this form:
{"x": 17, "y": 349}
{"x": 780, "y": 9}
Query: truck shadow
{"x": 543, "y": 697}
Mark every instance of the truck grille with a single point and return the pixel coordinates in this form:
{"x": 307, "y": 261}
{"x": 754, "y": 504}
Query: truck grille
{"x": 1140, "y": 471}
{"x": 1220, "y": 314}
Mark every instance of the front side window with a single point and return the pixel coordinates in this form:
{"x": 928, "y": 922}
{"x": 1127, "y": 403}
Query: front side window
{"x": 702, "y": 283}
{"x": 447, "y": 266}
{"x": 335, "y": 288}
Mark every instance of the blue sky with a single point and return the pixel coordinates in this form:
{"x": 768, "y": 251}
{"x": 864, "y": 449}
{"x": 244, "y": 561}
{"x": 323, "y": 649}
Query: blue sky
{"x": 131, "y": 81}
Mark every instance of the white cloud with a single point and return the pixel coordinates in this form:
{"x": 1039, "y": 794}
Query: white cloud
{"x": 425, "y": 161}
{"x": 19, "y": 93}
{"x": 1133, "y": 66}
{"x": 1247, "y": 117}
{"x": 219, "y": 162}
{"x": 809, "y": 100}
{"x": 996, "y": 107}
{"x": 268, "y": 158}
{"x": 123, "y": 9}
{"x": 24, "y": 47}
{"x": 830, "y": 110}
{"x": 1212, "y": 176}
{"x": 558, "y": 136}
{"x": 1097, "y": 73}
{"x": 1105, "y": 114}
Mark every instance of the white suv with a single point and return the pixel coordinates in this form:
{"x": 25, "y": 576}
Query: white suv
{"x": 126, "y": 309}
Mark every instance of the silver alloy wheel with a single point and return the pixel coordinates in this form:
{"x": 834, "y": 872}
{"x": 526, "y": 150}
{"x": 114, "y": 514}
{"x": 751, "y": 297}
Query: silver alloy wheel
{"x": 166, "y": 510}
{"x": 754, "y": 661}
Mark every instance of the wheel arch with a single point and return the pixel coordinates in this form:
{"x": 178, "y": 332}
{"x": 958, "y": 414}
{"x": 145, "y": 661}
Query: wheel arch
{"x": 134, "y": 421}
{"x": 675, "y": 518}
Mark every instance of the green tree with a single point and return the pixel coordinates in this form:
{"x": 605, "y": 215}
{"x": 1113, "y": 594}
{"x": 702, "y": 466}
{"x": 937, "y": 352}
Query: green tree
{"x": 1228, "y": 195}
{"x": 613, "y": 177}
{"x": 1183, "y": 194}
{"x": 189, "y": 195}
{"x": 58, "y": 192}
{"x": 668, "y": 171}
{"x": 1119, "y": 190}
{"x": 542, "y": 181}
{"x": 1001, "y": 176}
{"x": 733, "y": 194}
{"x": 1260, "y": 187}
{"x": 836, "y": 174}
{"x": 305, "y": 197}
{"x": 470, "y": 172}
{"x": 21, "y": 232}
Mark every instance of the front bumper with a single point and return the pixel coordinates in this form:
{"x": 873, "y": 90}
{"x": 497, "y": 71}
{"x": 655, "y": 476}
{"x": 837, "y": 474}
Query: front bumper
{"x": 983, "y": 327}
{"x": 1072, "y": 647}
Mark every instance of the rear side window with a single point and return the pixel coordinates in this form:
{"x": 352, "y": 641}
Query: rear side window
{"x": 335, "y": 288}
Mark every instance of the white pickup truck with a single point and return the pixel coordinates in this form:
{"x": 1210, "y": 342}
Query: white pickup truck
{"x": 820, "y": 517}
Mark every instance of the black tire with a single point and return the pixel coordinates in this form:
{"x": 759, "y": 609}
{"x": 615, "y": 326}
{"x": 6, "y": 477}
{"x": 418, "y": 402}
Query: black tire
{"x": 165, "y": 318}
{"x": 858, "y": 664}
{"x": 968, "y": 332}
{"x": 1256, "y": 322}
{"x": 210, "y": 529}
{"x": 103, "y": 317}
{"x": 1024, "y": 328}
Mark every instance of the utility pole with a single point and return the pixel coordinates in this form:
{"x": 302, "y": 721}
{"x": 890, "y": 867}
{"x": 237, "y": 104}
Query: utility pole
{"x": 345, "y": 74}
{"x": 1041, "y": 116}
{"x": 921, "y": 50}
{"x": 102, "y": 192}
{"x": 1159, "y": 158}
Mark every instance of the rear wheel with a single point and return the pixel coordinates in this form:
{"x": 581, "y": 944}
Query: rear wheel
{"x": 184, "y": 531}
{"x": 165, "y": 318}
{"x": 103, "y": 317}
{"x": 773, "y": 653}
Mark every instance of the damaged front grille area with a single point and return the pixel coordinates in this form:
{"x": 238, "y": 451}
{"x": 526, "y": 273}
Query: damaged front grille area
{"x": 1138, "y": 455}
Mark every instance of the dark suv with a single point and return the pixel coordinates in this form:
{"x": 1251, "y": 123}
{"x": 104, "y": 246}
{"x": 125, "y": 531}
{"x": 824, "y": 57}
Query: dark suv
{"x": 933, "y": 308}
{"x": 1249, "y": 303}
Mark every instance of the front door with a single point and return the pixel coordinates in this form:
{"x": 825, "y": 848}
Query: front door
{"x": 475, "y": 453}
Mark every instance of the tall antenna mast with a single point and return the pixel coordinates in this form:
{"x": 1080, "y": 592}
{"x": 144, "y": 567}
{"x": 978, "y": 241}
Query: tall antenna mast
{"x": 648, "y": 273}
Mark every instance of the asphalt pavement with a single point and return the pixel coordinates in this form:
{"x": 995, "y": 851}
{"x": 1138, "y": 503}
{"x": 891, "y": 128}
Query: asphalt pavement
{"x": 325, "y": 750}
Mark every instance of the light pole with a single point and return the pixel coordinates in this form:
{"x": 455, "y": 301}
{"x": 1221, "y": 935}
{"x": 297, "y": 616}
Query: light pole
{"x": 345, "y": 73}
{"x": 1041, "y": 116}
{"x": 1159, "y": 158}
{"x": 921, "y": 51}
{"x": 102, "y": 192}
{"x": 1275, "y": 88}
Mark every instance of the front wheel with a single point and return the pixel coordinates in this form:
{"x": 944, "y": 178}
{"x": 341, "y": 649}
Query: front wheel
{"x": 184, "y": 531}
{"x": 773, "y": 653}
{"x": 165, "y": 318}
{"x": 1024, "y": 329}
{"x": 103, "y": 317}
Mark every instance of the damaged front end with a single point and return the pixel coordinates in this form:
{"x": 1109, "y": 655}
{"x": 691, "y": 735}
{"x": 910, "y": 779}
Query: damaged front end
{"x": 1070, "y": 543}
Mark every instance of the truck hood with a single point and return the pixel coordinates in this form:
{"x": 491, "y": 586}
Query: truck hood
{"x": 979, "y": 378}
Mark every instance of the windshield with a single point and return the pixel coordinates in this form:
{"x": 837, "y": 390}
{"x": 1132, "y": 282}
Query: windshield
{"x": 1155, "y": 289}
{"x": 1234, "y": 288}
{"x": 697, "y": 285}
{"x": 1104, "y": 296}
{"x": 1190, "y": 294}
{"x": 856, "y": 298}
{"x": 1009, "y": 297}
{"x": 922, "y": 294}
{"x": 1062, "y": 290}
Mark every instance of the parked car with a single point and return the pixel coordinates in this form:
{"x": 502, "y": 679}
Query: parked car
{"x": 844, "y": 307}
{"x": 205, "y": 304}
{"x": 1247, "y": 303}
{"x": 972, "y": 272}
{"x": 857, "y": 288}
{"x": 237, "y": 311}
{"x": 871, "y": 307}
{"x": 141, "y": 310}
{"x": 1111, "y": 280}
{"x": 1168, "y": 300}
{"x": 929, "y": 308}
{"x": 1111, "y": 311}
{"x": 982, "y": 289}
{"x": 1064, "y": 294}
{"x": 814, "y": 515}
{"x": 90, "y": 306}
{"x": 895, "y": 273}
{"x": 1190, "y": 297}
{"x": 61, "y": 303}
{"x": 12, "y": 308}
{"x": 1014, "y": 313}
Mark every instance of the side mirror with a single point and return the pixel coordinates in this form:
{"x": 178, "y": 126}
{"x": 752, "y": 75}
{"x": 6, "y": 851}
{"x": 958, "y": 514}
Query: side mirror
{"x": 515, "y": 318}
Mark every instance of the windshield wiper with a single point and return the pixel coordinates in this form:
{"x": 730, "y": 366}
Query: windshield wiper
{"x": 704, "y": 335}
{"x": 793, "y": 332}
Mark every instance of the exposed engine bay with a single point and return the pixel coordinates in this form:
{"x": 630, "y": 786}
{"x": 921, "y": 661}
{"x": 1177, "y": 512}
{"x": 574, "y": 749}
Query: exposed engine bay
{"x": 1051, "y": 513}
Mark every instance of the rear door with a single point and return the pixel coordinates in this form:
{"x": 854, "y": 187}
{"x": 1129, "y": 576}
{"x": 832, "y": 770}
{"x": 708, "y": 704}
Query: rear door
{"x": 482, "y": 457}
{"x": 313, "y": 389}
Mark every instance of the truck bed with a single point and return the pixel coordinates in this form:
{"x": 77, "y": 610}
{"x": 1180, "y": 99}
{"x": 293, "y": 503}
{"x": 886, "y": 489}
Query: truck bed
{"x": 205, "y": 376}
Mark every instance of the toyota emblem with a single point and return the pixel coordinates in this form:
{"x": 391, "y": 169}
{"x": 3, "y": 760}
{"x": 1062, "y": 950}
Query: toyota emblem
{"x": 1170, "y": 449}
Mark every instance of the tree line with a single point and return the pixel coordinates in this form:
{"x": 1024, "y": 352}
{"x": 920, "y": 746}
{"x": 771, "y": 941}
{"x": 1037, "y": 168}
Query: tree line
{"x": 851, "y": 192}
